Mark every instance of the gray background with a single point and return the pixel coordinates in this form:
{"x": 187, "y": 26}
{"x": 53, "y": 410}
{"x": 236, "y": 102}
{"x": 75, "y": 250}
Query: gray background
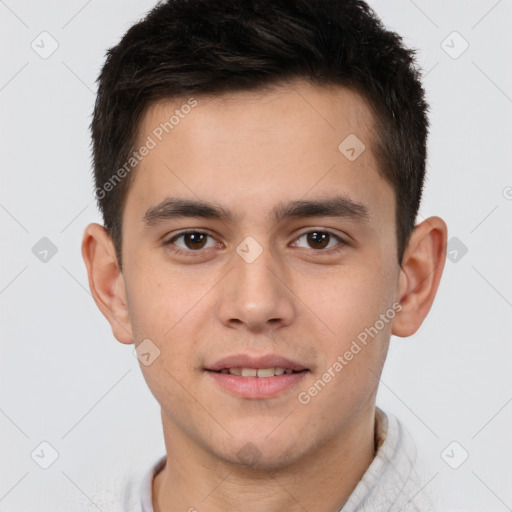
{"x": 66, "y": 381}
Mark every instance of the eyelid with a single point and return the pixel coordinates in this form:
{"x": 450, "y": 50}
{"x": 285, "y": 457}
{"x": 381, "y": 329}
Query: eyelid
{"x": 191, "y": 230}
{"x": 341, "y": 239}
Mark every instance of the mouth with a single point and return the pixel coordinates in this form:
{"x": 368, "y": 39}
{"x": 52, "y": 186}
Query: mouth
{"x": 261, "y": 373}
{"x": 246, "y": 365}
{"x": 260, "y": 377}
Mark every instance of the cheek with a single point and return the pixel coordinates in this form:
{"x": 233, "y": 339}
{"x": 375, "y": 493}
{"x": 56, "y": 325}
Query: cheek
{"x": 348, "y": 300}
{"x": 160, "y": 297}
{"x": 168, "y": 308}
{"x": 162, "y": 310}
{"x": 354, "y": 348}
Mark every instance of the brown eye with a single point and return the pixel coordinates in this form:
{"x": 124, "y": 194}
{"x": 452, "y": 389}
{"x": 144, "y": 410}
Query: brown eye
{"x": 194, "y": 240}
{"x": 319, "y": 240}
{"x": 191, "y": 241}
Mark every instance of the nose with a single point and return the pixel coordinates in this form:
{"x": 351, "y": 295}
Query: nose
{"x": 256, "y": 295}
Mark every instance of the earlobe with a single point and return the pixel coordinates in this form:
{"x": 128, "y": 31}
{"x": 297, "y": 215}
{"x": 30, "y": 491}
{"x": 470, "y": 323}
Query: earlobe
{"x": 106, "y": 281}
{"x": 420, "y": 274}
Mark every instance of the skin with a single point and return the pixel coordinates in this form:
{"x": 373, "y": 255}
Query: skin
{"x": 249, "y": 152}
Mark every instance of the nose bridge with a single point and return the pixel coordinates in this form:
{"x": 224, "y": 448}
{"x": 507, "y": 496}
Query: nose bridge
{"x": 254, "y": 278}
{"x": 255, "y": 296}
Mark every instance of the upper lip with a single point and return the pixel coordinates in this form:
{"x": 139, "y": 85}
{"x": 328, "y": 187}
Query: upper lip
{"x": 247, "y": 361}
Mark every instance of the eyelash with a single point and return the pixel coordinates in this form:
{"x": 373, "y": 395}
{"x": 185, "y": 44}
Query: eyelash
{"x": 339, "y": 247}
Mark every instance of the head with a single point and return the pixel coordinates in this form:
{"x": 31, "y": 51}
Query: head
{"x": 290, "y": 139}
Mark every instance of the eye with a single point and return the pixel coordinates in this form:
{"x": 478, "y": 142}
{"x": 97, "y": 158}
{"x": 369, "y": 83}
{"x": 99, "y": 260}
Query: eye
{"x": 188, "y": 242}
{"x": 321, "y": 240}
{"x": 191, "y": 241}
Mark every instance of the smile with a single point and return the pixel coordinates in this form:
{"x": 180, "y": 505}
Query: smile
{"x": 257, "y": 372}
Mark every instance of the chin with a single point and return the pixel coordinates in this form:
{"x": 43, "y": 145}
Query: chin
{"x": 257, "y": 453}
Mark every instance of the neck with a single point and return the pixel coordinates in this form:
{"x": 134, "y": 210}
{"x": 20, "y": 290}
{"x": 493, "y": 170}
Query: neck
{"x": 196, "y": 480}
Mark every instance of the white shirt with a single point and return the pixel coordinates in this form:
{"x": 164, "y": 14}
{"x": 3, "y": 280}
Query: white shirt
{"x": 392, "y": 483}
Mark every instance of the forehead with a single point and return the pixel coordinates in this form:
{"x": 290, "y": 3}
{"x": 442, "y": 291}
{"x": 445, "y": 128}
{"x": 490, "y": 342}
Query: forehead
{"x": 331, "y": 108}
{"x": 293, "y": 140}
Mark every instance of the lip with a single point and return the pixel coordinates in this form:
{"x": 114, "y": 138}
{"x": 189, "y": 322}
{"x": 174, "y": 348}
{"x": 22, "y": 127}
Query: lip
{"x": 256, "y": 387}
{"x": 247, "y": 361}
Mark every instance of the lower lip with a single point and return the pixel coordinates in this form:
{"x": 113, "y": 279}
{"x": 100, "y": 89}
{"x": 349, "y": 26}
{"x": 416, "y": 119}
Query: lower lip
{"x": 257, "y": 387}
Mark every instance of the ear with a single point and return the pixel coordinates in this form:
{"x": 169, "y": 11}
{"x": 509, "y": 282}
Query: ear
{"x": 106, "y": 280}
{"x": 420, "y": 273}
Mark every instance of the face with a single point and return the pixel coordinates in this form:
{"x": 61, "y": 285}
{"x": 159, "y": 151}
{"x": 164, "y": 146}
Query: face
{"x": 252, "y": 241}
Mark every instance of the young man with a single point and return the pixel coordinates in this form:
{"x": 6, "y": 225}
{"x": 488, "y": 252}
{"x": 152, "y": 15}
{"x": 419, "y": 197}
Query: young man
{"x": 259, "y": 167}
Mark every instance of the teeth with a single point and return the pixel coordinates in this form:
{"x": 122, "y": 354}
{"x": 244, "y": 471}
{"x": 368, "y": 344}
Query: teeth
{"x": 266, "y": 372}
{"x": 256, "y": 372}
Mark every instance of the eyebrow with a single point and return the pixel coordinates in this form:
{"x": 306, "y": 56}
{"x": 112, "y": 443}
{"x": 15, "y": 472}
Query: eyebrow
{"x": 175, "y": 207}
